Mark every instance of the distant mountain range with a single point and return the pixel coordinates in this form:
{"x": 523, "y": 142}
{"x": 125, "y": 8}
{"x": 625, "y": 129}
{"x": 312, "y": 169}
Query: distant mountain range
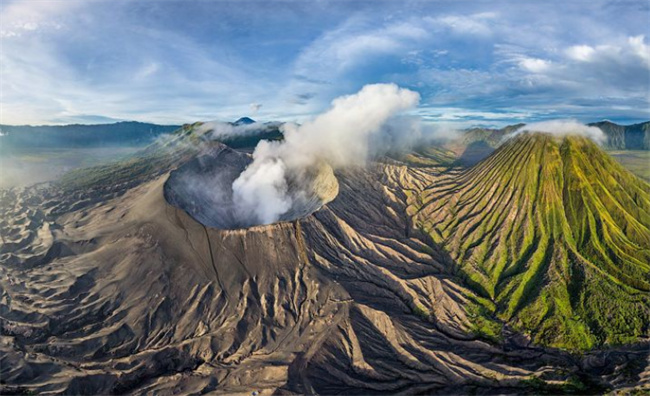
{"x": 76, "y": 135}
{"x": 476, "y": 143}
{"x": 619, "y": 137}
{"x": 625, "y": 137}
{"x": 128, "y": 133}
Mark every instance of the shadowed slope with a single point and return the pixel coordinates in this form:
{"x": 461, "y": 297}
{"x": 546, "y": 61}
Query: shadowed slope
{"x": 625, "y": 137}
{"x": 556, "y": 234}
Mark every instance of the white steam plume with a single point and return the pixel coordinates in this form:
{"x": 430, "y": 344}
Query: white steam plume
{"x": 340, "y": 136}
{"x": 563, "y": 128}
{"x": 221, "y": 130}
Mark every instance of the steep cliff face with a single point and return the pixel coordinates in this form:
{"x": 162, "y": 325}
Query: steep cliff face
{"x": 625, "y": 137}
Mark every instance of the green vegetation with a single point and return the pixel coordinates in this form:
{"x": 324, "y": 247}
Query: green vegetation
{"x": 483, "y": 324}
{"x": 636, "y": 161}
{"x": 427, "y": 156}
{"x": 555, "y": 234}
{"x": 573, "y": 385}
{"x": 421, "y": 311}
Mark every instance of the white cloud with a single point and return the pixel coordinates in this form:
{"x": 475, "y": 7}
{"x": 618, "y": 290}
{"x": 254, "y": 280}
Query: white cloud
{"x": 30, "y": 26}
{"x": 628, "y": 53}
{"x": 67, "y": 58}
{"x": 464, "y": 116}
{"x": 582, "y": 53}
{"x": 563, "y": 128}
{"x": 339, "y": 137}
{"x": 147, "y": 70}
{"x": 474, "y": 24}
{"x": 348, "y": 45}
{"x": 535, "y": 65}
{"x": 255, "y": 107}
{"x": 24, "y": 17}
{"x": 8, "y": 33}
{"x": 640, "y": 48}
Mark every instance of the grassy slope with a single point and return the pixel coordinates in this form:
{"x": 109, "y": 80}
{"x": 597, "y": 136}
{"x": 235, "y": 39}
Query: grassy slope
{"x": 637, "y": 161}
{"x": 427, "y": 156}
{"x": 555, "y": 235}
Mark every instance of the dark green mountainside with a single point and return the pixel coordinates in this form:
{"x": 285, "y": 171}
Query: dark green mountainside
{"x": 625, "y": 137}
{"x": 554, "y": 234}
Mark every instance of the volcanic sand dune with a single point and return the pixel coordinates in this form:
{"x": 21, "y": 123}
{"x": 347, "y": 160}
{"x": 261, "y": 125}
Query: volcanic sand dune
{"x": 130, "y": 294}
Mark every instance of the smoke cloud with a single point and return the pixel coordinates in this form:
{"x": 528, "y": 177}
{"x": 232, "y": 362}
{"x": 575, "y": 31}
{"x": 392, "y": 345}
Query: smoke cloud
{"x": 341, "y": 136}
{"x": 404, "y": 132}
{"x": 563, "y": 128}
{"x": 220, "y": 130}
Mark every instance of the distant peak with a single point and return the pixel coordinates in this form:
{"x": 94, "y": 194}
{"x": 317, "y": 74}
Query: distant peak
{"x": 244, "y": 121}
{"x": 604, "y": 121}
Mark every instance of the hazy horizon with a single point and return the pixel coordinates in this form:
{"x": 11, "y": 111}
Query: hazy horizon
{"x": 467, "y": 125}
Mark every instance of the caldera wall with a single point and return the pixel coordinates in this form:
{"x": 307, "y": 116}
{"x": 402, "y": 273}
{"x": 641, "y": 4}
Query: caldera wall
{"x": 203, "y": 188}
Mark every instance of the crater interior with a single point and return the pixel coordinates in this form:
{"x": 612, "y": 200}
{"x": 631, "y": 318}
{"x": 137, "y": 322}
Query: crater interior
{"x": 202, "y": 187}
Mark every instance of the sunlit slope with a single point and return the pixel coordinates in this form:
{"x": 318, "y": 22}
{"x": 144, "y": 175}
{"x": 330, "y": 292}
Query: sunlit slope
{"x": 556, "y": 234}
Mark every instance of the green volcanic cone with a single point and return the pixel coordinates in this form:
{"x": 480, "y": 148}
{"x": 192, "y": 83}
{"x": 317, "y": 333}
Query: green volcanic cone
{"x": 556, "y": 234}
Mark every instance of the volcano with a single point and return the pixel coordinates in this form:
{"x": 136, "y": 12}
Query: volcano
{"x": 555, "y": 234}
{"x": 244, "y": 121}
{"x": 388, "y": 278}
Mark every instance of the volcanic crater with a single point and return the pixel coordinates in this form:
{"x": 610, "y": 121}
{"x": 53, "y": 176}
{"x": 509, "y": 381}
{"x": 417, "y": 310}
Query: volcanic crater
{"x": 202, "y": 188}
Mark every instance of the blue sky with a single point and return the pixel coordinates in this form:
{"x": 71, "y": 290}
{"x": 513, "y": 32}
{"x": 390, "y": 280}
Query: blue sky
{"x": 473, "y": 62}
